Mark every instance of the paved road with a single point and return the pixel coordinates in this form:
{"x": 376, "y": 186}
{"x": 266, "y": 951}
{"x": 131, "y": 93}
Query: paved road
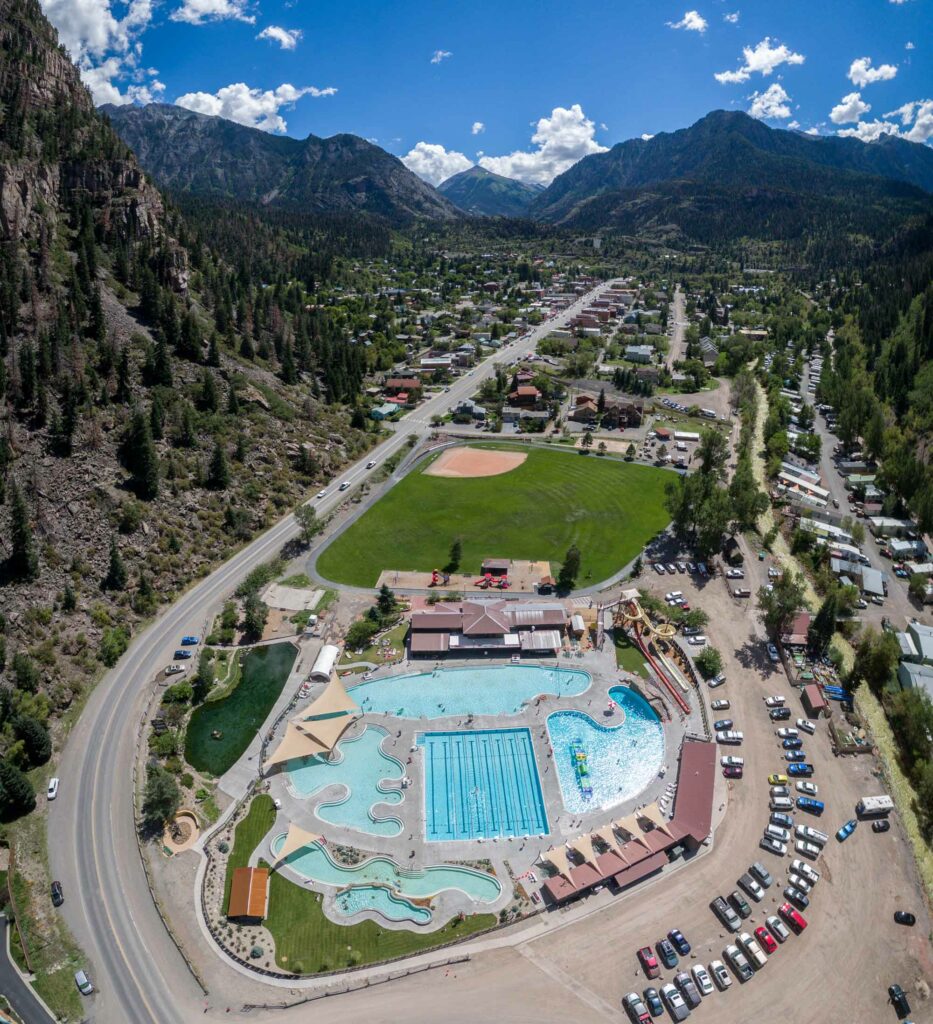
{"x": 140, "y": 976}
{"x": 18, "y": 992}
{"x": 678, "y": 328}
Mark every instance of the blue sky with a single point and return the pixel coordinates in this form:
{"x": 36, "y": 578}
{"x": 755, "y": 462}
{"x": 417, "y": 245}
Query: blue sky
{"x": 526, "y": 88}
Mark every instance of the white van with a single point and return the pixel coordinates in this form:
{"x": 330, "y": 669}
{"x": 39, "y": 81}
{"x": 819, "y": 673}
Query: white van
{"x": 782, "y": 835}
{"x": 782, "y": 803}
{"x": 741, "y": 592}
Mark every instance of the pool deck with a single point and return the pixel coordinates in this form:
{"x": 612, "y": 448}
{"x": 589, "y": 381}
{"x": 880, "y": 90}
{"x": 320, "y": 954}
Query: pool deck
{"x": 518, "y": 855}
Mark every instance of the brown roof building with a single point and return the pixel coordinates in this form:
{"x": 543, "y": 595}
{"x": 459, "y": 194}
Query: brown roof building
{"x": 481, "y": 626}
{"x": 249, "y": 894}
{"x": 525, "y": 394}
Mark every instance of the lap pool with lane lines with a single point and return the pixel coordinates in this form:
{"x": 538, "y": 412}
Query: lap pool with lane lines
{"x": 481, "y": 784}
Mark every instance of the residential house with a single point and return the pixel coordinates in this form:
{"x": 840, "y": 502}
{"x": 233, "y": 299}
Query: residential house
{"x": 639, "y": 353}
{"x": 525, "y": 395}
{"x": 395, "y": 385}
{"x": 708, "y": 351}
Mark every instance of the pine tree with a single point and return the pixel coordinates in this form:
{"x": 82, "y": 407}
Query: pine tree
{"x": 218, "y": 475}
{"x": 213, "y": 352}
{"x": 116, "y": 573}
{"x": 123, "y": 392}
{"x": 233, "y": 403}
{"x": 37, "y": 743}
{"x": 140, "y": 456}
{"x": 157, "y": 418}
{"x": 23, "y": 562}
{"x": 96, "y": 325}
{"x": 17, "y": 797}
{"x": 187, "y": 429}
{"x": 570, "y": 569}
{"x": 207, "y": 399}
{"x": 289, "y": 374}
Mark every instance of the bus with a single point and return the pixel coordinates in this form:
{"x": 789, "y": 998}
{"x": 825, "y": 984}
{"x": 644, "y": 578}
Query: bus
{"x": 874, "y": 807}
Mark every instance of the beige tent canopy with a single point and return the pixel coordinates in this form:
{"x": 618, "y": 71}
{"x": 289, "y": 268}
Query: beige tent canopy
{"x": 653, "y": 814}
{"x": 609, "y": 838}
{"x": 295, "y": 839}
{"x": 557, "y": 856}
{"x": 630, "y": 824}
{"x": 316, "y": 730}
{"x": 584, "y": 846}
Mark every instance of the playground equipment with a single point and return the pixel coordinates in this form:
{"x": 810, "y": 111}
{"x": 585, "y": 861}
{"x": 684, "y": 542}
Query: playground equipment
{"x": 580, "y": 767}
{"x": 487, "y": 580}
{"x": 631, "y": 615}
{"x": 439, "y": 578}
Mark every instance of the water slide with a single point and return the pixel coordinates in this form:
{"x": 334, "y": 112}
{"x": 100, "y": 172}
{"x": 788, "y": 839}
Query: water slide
{"x": 643, "y": 630}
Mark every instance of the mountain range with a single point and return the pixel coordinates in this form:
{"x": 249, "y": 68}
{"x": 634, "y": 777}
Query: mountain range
{"x": 482, "y": 193}
{"x": 211, "y": 157}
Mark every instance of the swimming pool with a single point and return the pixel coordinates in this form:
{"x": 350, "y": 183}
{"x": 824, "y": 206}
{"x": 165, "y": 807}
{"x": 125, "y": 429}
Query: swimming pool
{"x": 314, "y": 862}
{"x": 481, "y": 784}
{"x": 381, "y": 901}
{"x": 619, "y": 762}
{"x": 361, "y": 770}
{"x": 497, "y": 690}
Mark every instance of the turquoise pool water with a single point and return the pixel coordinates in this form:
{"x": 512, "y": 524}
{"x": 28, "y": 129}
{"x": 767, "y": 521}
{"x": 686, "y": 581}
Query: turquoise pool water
{"x": 620, "y": 761}
{"x": 361, "y": 770}
{"x": 381, "y": 900}
{"x": 481, "y": 784}
{"x": 498, "y": 690}
{"x": 314, "y": 862}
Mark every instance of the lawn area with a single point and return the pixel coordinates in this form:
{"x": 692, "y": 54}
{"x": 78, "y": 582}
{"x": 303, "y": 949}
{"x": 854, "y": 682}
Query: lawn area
{"x": 238, "y": 715}
{"x": 247, "y": 836}
{"x": 608, "y": 508}
{"x": 306, "y": 942}
{"x": 628, "y": 656}
{"x": 395, "y": 637}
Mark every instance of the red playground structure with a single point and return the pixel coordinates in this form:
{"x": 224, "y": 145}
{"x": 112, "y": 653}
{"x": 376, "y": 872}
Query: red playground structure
{"x": 439, "y": 579}
{"x": 488, "y": 581}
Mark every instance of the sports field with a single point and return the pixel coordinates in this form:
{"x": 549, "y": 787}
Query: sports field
{"x": 607, "y": 507}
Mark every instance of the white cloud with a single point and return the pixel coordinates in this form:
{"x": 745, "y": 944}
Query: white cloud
{"x": 431, "y": 161}
{"x": 921, "y": 113}
{"x": 646, "y": 137}
{"x": 692, "y": 21}
{"x": 849, "y": 108}
{"x": 199, "y": 12}
{"x": 478, "y": 128}
{"x": 773, "y": 103}
{"x": 100, "y": 80}
{"x": 870, "y": 131}
{"x": 861, "y": 72}
{"x": 733, "y": 18}
{"x": 440, "y": 55}
{"x": 794, "y": 126}
{"x": 562, "y": 139}
{"x": 910, "y": 46}
{"x": 761, "y": 59}
{"x": 812, "y": 131}
{"x": 905, "y": 113}
{"x": 898, "y": 2}
{"x": 88, "y": 28}
{"x": 256, "y": 108}
{"x": 287, "y": 38}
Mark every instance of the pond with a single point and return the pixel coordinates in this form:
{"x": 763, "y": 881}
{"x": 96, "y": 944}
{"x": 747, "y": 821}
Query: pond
{"x": 237, "y": 717}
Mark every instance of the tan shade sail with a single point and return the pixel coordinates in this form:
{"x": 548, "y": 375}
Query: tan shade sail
{"x": 609, "y": 838}
{"x": 297, "y": 743}
{"x": 295, "y": 839}
{"x": 630, "y": 824}
{"x": 653, "y": 814}
{"x": 333, "y": 700}
{"x": 557, "y": 856}
{"x": 584, "y": 846}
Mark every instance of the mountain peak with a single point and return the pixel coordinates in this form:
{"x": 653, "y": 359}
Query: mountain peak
{"x": 484, "y": 193}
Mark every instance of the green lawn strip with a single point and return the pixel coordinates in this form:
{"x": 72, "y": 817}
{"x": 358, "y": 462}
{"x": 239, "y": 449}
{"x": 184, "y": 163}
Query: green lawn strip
{"x": 395, "y": 636}
{"x": 628, "y": 656}
{"x": 238, "y": 716}
{"x": 300, "y": 580}
{"x": 227, "y": 681}
{"x": 306, "y": 942}
{"x": 53, "y": 953}
{"x": 247, "y": 836}
{"x": 608, "y": 508}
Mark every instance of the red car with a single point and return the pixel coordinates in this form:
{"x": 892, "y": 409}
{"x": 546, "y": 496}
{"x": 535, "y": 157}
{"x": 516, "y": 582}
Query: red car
{"x": 793, "y": 917}
{"x": 766, "y": 939}
{"x": 649, "y": 962}
{"x": 732, "y": 771}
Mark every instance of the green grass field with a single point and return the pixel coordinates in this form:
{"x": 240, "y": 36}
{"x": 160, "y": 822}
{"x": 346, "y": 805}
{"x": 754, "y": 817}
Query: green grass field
{"x": 306, "y": 942}
{"x": 608, "y": 508}
{"x": 247, "y": 836}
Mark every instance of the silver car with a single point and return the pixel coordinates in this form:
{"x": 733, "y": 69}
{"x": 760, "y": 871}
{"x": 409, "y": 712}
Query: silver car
{"x": 674, "y": 1002}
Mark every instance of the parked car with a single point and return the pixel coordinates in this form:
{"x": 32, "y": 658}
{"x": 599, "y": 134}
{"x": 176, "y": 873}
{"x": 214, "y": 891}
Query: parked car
{"x": 181, "y": 654}
{"x": 772, "y": 846}
{"x": 765, "y": 940}
{"x": 806, "y": 725}
{"x": 773, "y": 654}
{"x": 792, "y": 756}
{"x": 697, "y": 641}
{"x": 806, "y": 770}
{"x": 752, "y": 887}
{"x": 898, "y": 1000}
{"x": 720, "y": 705}
{"x": 787, "y": 733}
{"x": 688, "y": 989}
{"x": 810, "y": 788}
{"x": 805, "y": 870}
{"x": 807, "y": 849}
{"x": 720, "y": 975}
{"x": 797, "y": 896}
{"x": 781, "y": 819}
{"x": 666, "y": 954}
{"x": 737, "y": 761}
{"x": 85, "y": 987}
{"x": 779, "y": 791}
{"x": 716, "y": 681}
{"x": 174, "y": 669}
{"x": 739, "y": 963}
{"x": 880, "y": 826}
{"x": 811, "y": 835}
{"x": 680, "y": 943}
{"x": 653, "y": 1000}
{"x": 190, "y": 641}
{"x": 775, "y": 701}
{"x": 779, "y": 714}
{"x": 807, "y": 803}
{"x": 659, "y": 569}
{"x": 776, "y": 779}
{"x": 795, "y": 920}
{"x": 847, "y": 829}
{"x": 778, "y": 928}
{"x": 674, "y": 1002}
{"x": 735, "y": 574}
{"x": 723, "y": 724}
{"x": 761, "y": 873}
{"x": 649, "y": 962}
{"x": 733, "y": 771}
{"x": 738, "y": 902}
{"x": 58, "y": 895}
{"x": 52, "y": 792}
{"x": 636, "y": 1009}
{"x": 792, "y": 743}
{"x": 905, "y": 917}
{"x": 730, "y": 736}
{"x": 726, "y": 914}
